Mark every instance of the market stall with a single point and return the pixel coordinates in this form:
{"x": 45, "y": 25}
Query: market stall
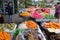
{"x": 40, "y": 15}
{"x": 26, "y": 30}
{"x": 34, "y": 20}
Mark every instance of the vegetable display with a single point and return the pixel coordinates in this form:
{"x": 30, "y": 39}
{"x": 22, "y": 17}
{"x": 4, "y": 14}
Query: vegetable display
{"x": 15, "y": 32}
{"x": 37, "y": 15}
{"x": 49, "y": 17}
{"x": 18, "y": 32}
{"x": 5, "y": 36}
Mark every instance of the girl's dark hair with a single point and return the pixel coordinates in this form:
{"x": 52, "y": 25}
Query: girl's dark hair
{"x": 9, "y": 3}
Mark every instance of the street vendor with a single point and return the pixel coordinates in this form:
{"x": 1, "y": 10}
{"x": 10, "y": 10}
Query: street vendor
{"x": 57, "y": 11}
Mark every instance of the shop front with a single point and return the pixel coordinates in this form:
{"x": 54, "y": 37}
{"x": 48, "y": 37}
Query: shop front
{"x": 3, "y": 5}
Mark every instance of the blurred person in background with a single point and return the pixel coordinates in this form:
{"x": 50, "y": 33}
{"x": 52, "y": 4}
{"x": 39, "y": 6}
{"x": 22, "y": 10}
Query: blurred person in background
{"x": 57, "y": 11}
{"x": 10, "y": 11}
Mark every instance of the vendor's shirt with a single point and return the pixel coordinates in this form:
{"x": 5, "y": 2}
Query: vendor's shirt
{"x": 58, "y": 9}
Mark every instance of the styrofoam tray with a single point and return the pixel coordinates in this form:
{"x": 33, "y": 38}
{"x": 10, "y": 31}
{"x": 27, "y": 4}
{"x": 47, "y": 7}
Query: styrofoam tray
{"x": 53, "y": 30}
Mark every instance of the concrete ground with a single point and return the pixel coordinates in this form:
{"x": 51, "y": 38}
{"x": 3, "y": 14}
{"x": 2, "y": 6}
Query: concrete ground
{"x": 16, "y": 18}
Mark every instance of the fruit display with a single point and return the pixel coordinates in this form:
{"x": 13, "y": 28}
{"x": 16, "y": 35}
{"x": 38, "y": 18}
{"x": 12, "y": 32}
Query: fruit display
{"x": 52, "y": 25}
{"x": 31, "y": 34}
{"x": 6, "y": 27}
{"x": 10, "y": 26}
{"x": 28, "y": 25}
{"x": 28, "y": 30}
{"x": 25, "y": 14}
{"x": 5, "y": 36}
{"x": 37, "y": 15}
{"x": 31, "y": 24}
{"x": 2, "y": 27}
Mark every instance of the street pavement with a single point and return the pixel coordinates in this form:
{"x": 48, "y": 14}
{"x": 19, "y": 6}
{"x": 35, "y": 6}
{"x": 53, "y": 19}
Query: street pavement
{"x": 15, "y": 18}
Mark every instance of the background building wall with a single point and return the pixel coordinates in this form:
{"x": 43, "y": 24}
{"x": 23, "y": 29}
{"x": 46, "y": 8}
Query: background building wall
{"x": 3, "y": 4}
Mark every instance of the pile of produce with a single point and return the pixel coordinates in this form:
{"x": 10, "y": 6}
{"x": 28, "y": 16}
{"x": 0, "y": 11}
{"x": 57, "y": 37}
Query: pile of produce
{"x": 49, "y": 17}
{"x": 25, "y": 14}
{"x": 5, "y": 36}
{"x": 37, "y": 15}
{"x": 42, "y": 15}
{"x": 17, "y": 32}
{"x": 28, "y": 25}
{"x": 2, "y": 27}
{"x": 31, "y": 24}
{"x": 10, "y": 26}
{"x": 54, "y": 25}
{"x": 27, "y": 31}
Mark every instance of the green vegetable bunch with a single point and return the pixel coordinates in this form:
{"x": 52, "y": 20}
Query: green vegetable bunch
{"x": 17, "y": 32}
{"x": 49, "y": 17}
